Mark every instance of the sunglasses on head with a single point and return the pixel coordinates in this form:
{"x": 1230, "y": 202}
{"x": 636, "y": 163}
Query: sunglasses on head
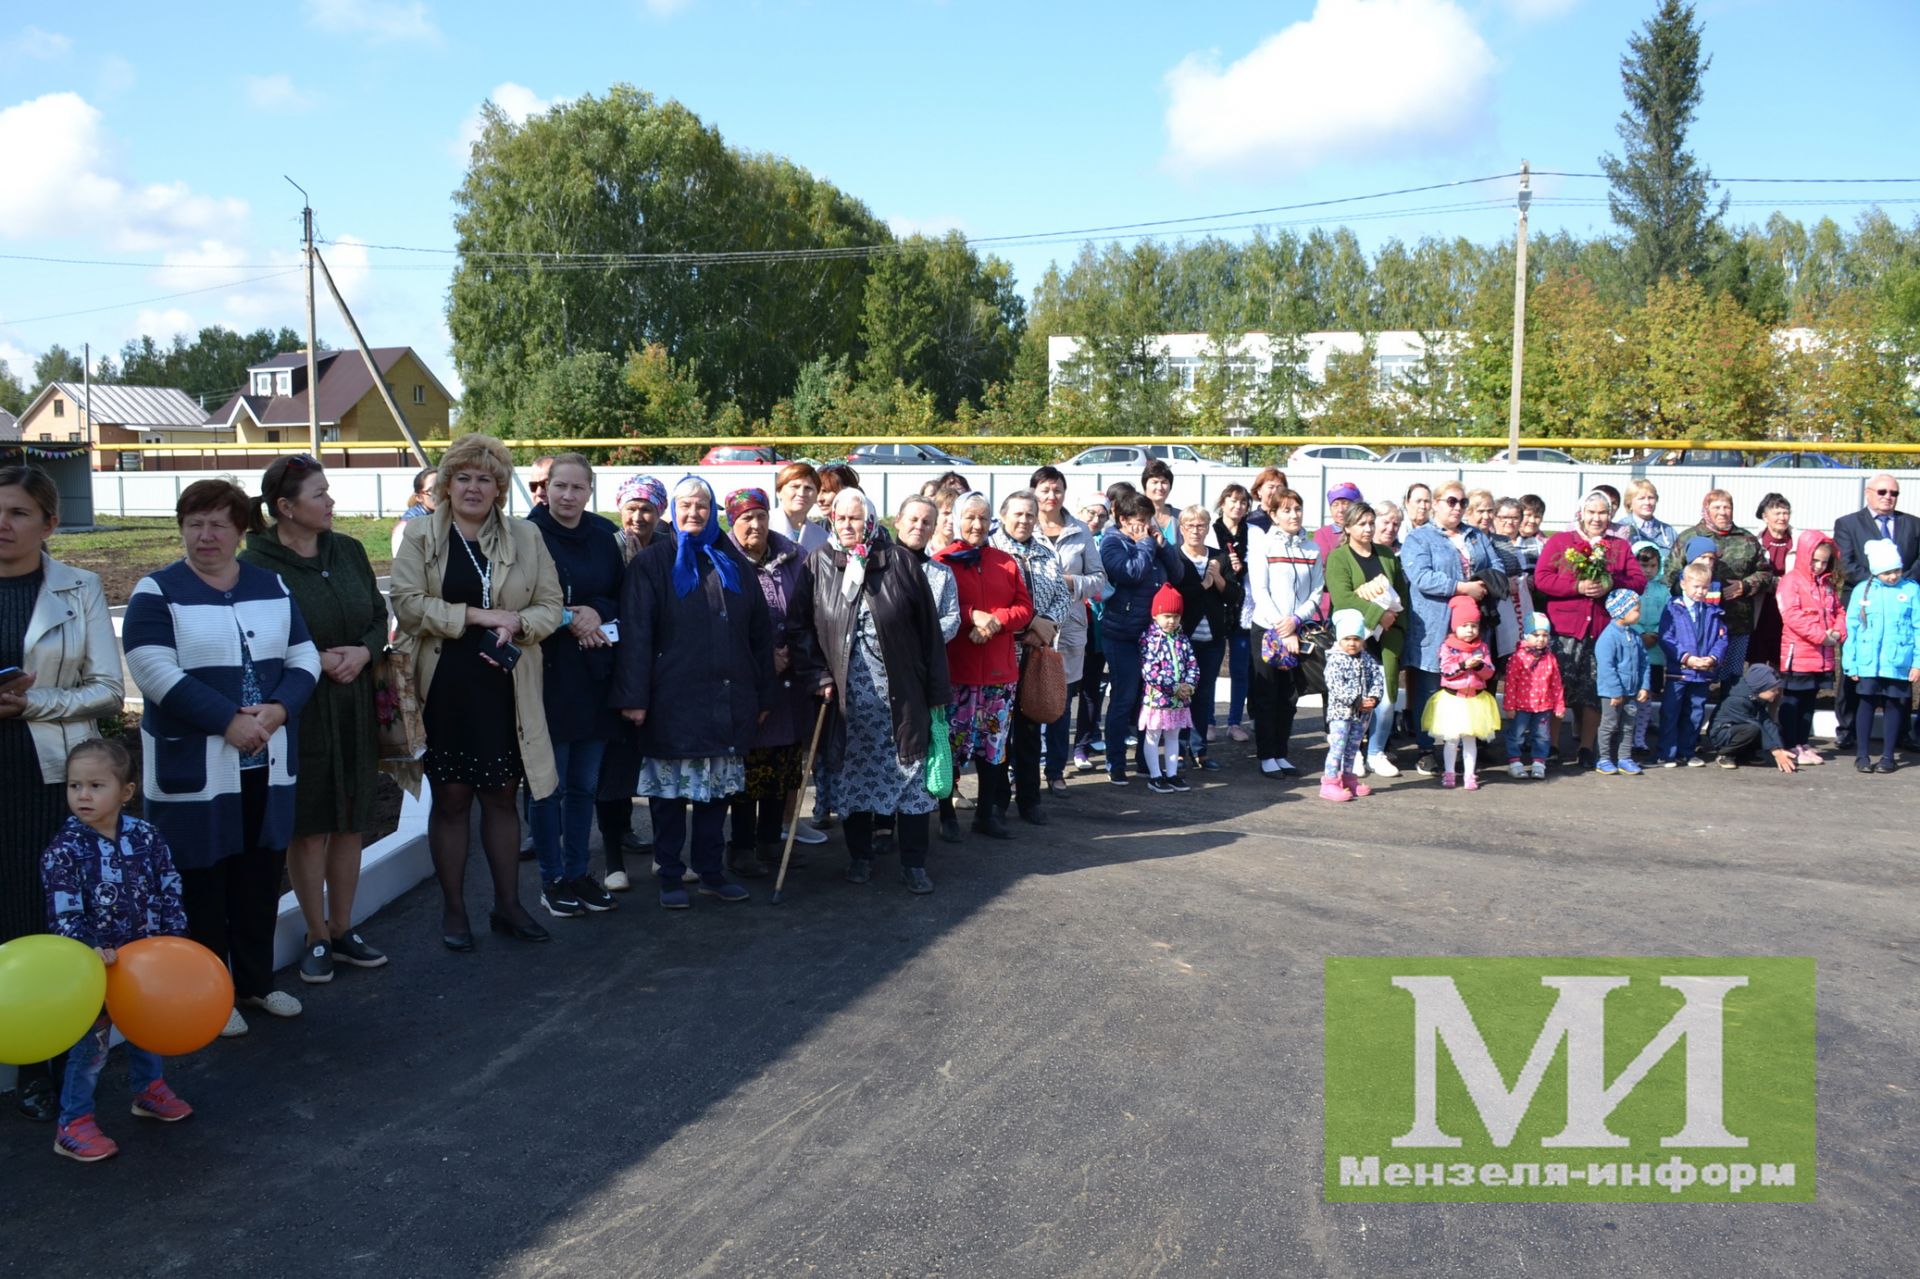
{"x": 302, "y": 462}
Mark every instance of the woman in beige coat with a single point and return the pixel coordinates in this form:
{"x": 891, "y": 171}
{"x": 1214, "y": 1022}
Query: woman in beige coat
{"x": 475, "y": 592}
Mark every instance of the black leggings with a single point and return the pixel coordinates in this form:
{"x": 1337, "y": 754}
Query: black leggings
{"x": 1892, "y": 726}
{"x": 912, "y": 834}
{"x": 1796, "y": 716}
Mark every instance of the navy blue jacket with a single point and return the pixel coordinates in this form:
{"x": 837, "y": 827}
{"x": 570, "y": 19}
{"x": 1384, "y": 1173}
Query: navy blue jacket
{"x": 700, "y": 666}
{"x": 586, "y": 558}
{"x": 1679, "y": 637}
{"x": 1135, "y": 570}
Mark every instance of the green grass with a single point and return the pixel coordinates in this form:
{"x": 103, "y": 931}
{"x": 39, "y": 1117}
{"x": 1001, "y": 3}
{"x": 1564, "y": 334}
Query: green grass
{"x": 131, "y": 547}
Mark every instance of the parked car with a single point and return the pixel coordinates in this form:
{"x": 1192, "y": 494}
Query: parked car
{"x": 1332, "y": 453}
{"x": 741, "y": 455}
{"x": 1423, "y": 454}
{"x": 1698, "y": 457}
{"x": 1539, "y": 455}
{"x": 904, "y": 455}
{"x": 1137, "y": 455}
{"x": 1808, "y": 461}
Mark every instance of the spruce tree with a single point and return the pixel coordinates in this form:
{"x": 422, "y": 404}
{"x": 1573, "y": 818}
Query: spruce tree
{"x": 1661, "y": 195}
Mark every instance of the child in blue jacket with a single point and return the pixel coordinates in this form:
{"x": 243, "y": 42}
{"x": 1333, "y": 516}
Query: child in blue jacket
{"x": 1653, "y": 610}
{"x": 109, "y": 880}
{"x": 1693, "y": 636}
{"x": 1620, "y": 677}
{"x": 1882, "y": 656}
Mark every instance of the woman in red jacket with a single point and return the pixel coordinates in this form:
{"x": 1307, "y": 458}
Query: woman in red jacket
{"x": 1576, "y": 604}
{"x": 981, "y": 663}
{"x": 1813, "y": 623}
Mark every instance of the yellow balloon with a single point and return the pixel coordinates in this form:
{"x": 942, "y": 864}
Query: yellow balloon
{"x": 51, "y": 990}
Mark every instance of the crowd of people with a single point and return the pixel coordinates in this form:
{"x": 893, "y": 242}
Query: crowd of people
{"x": 701, "y": 649}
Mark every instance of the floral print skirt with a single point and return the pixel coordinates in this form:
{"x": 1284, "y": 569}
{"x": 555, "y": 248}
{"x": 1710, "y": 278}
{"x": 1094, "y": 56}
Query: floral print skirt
{"x": 700, "y": 780}
{"x": 978, "y": 722}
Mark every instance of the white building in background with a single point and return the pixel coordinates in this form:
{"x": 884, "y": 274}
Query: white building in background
{"x": 1186, "y": 357}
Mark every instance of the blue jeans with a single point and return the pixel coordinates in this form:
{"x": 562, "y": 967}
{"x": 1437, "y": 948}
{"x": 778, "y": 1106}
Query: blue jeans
{"x": 563, "y": 821}
{"x": 1529, "y": 733}
{"x": 1239, "y": 665}
{"x": 1381, "y": 727}
{"x": 1682, "y": 710}
{"x": 84, "y": 1061}
{"x": 1209, "y": 655}
{"x": 1425, "y": 684}
{"x": 1054, "y": 737}
{"x": 1123, "y": 697}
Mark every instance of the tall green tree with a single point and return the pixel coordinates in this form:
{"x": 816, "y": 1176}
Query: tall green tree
{"x": 940, "y": 319}
{"x": 1661, "y": 195}
{"x": 57, "y": 365}
{"x": 13, "y": 396}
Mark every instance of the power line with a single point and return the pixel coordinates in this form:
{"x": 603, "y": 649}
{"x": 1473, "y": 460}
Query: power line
{"x": 1562, "y": 173}
{"x": 164, "y": 297}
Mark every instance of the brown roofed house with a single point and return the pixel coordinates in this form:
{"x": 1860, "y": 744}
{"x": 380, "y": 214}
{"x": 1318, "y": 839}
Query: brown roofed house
{"x": 271, "y": 412}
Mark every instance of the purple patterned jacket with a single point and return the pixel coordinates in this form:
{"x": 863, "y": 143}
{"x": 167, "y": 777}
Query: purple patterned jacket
{"x": 106, "y": 892}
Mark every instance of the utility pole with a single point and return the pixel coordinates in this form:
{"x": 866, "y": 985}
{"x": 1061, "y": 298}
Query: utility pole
{"x": 373, "y": 370}
{"x": 1519, "y": 318}
{"x": 86, "y": 390}
{"x": 313, "y": 386}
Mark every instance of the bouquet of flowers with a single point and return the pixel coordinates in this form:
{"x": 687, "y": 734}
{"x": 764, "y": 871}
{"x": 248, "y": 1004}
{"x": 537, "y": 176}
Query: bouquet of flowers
{"x": 1589, "y": 565}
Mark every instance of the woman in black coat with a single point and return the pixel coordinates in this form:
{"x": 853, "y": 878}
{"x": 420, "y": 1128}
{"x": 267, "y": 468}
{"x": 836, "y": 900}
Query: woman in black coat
{"x": 577, "y": 666}
{"x": 1211, "y": 597}
{"x": 871, "y": 644}
{"x": 695, "y": 673}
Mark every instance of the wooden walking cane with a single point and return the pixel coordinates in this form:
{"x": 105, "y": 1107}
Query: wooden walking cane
{"x": 793, "y": 826}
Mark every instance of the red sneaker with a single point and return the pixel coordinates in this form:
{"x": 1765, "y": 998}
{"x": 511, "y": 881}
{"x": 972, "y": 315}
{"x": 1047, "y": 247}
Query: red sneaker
{"x": 83, "y": 1140}
{"x": 157, "y": 1101}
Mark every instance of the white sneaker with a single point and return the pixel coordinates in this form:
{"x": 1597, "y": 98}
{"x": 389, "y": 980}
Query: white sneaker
{"x": 275, "y": 1003}
{"x": 1382, "y": 766}
{"x": 1516, "y": 769}
{"x": 1269, "y": 766}
{"x": 1694, "y": 761}
{"x": 804, "y": 832}
{"x": 1538, "y": 770}
{"x": 236, "y": 1026}
{"x": 617, "y": 882}
{"x": 1359, "y": 765}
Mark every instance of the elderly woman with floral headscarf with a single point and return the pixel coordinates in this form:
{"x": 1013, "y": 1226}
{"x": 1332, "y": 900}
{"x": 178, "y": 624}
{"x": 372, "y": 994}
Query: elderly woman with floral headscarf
{"x": 871, "y": 645}
{"x": 775, "y": 760}
{"x": 695, "y": 674}
{"x": 995, "y": 606}
{"x": 640, "y": 501}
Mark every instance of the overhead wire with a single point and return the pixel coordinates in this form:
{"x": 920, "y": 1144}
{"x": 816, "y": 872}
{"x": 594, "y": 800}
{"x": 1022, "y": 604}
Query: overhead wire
{"x": 164, "y": 297}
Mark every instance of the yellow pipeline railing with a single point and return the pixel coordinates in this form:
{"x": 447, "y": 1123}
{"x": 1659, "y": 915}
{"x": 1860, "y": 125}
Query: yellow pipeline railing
{"x": 849, "y": 442}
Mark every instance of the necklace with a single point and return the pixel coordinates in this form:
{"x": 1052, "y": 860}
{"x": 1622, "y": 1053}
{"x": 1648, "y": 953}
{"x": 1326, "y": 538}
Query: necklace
{"x": 486, "y": 574}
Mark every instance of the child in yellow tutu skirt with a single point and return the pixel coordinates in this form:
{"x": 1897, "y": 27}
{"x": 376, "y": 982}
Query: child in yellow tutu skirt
{"x": 1463, "y": 712}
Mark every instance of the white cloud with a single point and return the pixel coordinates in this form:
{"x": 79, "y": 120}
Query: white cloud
{"x": 516, "y": 101}
{"x": 933, "y": 227}
{"x": 277, "y": 93}
{"x": 380, "y": 21}
{"x": 19, "y": 360}
{"x": 162, "y": 325}
{"x": 1539, "y": 10}
{"x": 63, "y": 179}
{"x": 1358, "y": 77}
{"x": 43, "y": 46}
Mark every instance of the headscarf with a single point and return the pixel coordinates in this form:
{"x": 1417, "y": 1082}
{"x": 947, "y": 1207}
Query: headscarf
{"x": 643, "y": 488}
{"x": 856, "y": 574}
{"x": 961, "y": 551}
{"x": 741, "y": 501}
{"x": 687, "y": 549}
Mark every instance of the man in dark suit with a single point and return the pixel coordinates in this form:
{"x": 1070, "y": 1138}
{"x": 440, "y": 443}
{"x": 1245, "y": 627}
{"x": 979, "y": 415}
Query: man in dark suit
{"x": 1851, "y": 533}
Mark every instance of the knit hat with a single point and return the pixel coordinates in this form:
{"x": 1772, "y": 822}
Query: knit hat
{"x": 1641, "y": 548}
{"x": 1085, "y": 500}
{"x": 1167, "y": 600}
{"x": 1462, "y": 609}
{"x": 1537, "y": 622}
{"x": 1698, "y": 546}
{"x": 1344, "y": 492}
{"x": 1760, "y": 677}
{"x": 1349, "y": 623}
{"x": 1621, "y": 602}
{"x": 1883, "y": 557}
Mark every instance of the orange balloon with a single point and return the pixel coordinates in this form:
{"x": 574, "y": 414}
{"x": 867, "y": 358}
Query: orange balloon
{"x": 168, "y": 995}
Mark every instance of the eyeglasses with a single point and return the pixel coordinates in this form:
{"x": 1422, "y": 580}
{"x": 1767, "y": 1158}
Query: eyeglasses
{"x": 1453, "y": 501}
{"x": 1886, "y": 492}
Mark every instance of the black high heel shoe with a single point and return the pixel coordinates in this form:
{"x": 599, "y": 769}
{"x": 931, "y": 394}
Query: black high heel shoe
{"x": 460, "y": 943}
{"x": 528, "y": 931}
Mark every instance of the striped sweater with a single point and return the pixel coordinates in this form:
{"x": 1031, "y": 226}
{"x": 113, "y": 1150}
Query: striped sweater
{"x": 182, "y": 640}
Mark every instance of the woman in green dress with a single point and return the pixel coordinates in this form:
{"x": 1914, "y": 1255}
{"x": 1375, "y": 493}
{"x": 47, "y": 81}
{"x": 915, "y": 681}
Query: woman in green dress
{"x": 332, "y": 584}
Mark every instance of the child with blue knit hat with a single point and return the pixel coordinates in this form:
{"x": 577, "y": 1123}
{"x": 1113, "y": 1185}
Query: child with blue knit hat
{"x": 1620, "y": 669}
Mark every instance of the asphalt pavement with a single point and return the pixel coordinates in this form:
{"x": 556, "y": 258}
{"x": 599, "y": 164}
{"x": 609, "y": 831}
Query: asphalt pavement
{"x": 1095, "y": 1050}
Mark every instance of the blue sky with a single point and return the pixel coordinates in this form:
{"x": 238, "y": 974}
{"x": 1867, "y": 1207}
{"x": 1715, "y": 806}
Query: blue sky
{"x": 132, "y": 136}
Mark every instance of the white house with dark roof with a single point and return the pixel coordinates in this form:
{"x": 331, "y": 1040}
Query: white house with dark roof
{"x": 108, "y": 414}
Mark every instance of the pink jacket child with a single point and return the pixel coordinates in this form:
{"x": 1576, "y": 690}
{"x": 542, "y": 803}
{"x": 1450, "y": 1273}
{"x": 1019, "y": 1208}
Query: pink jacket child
{"x": 1456, "y": 676}
{"x": 1810, "y": 608}
{"x": 1533, "y": 682}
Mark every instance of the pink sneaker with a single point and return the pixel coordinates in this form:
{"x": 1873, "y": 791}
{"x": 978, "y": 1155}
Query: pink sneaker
{"x": 157, "y": 1101}
{"x": 1446, "y": 780}
{"x": 1358, "y": 788}
{"x": 1473, "y": 781}
{"x": 1808, "y": 755}
{"x": 83, "y": 1140}
{"x": 1333, "y": 792}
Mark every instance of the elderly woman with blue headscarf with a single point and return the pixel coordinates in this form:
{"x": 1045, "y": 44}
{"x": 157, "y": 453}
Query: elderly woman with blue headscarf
{"x": 695, "y": 674}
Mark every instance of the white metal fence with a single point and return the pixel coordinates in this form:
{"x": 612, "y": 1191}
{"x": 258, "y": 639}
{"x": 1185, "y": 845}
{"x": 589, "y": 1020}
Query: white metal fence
{"x": 1819, "y": 497}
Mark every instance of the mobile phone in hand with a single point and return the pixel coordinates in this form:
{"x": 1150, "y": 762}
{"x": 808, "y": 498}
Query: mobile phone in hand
{"x": 10, "y": 675}
{"x": 505, "y": 655}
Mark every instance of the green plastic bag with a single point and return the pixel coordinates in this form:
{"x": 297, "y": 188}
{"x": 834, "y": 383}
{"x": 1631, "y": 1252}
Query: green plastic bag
{"x": 939, "y": 755}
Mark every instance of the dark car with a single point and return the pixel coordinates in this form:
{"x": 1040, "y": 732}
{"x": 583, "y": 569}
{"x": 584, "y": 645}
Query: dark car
{"x": 904, "y": 455}
{"x": 1808, "y": 461}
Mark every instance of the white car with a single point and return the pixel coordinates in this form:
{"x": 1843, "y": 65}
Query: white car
{"x": 1332, "y": 453}
{"x": 1134, "y": 456}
